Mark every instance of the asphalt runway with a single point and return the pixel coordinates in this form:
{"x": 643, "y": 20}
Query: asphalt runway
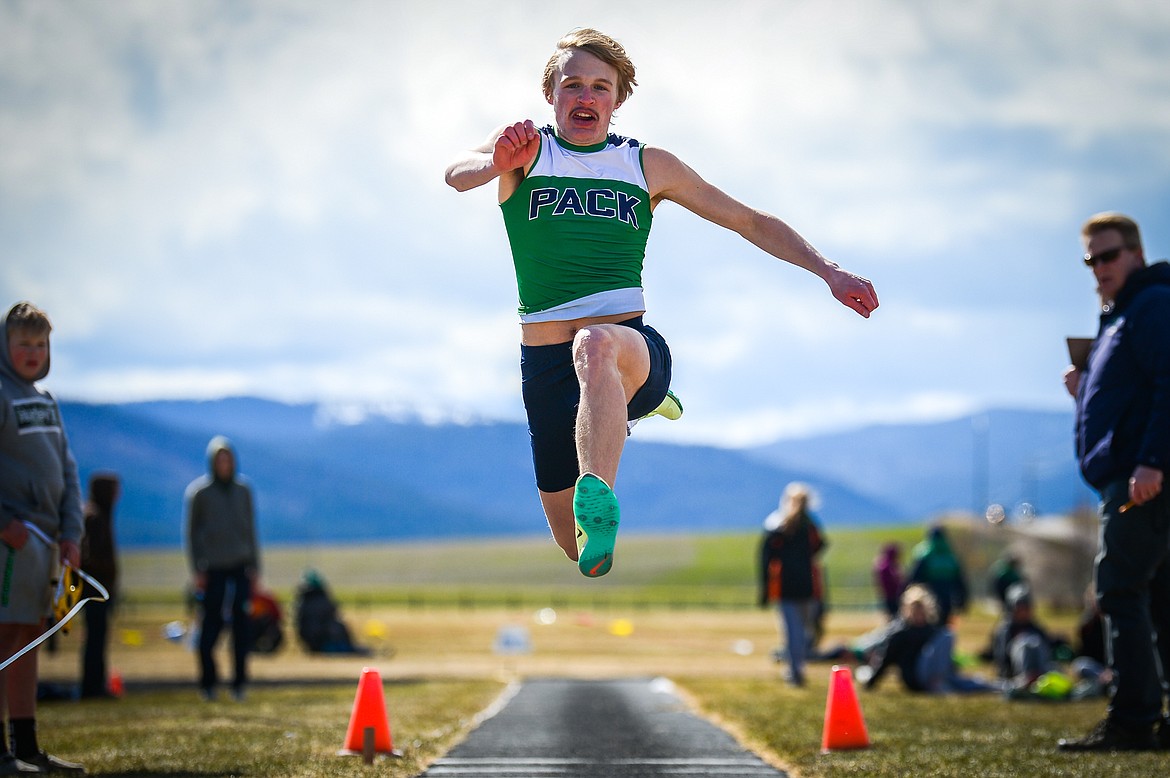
{"x": 627, "y": 728}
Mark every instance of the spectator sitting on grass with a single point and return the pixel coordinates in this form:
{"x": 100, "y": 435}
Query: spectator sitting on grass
{"x": 1091, "y": 666}
{"x": 922, "y": 649}
{"x": 319, "y": 625}
{"x": 1021, "y": 649}
{"x": 1005, "y": 574}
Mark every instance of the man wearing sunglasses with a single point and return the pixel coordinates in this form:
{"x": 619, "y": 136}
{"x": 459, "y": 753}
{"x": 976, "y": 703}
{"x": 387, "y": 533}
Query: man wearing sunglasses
{"x": 1123, "y": 443}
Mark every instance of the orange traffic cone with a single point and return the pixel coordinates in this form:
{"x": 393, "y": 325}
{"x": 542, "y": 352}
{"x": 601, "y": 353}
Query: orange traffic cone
{"x": 844, "y": 725}
{"x": 369, "y": 714}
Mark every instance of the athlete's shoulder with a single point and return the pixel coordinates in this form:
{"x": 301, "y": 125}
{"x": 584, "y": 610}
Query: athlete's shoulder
{"x": 613, "y": 139}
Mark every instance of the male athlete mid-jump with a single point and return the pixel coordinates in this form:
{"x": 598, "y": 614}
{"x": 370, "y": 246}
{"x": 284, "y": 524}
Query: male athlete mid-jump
{"x": 578, "y": 203}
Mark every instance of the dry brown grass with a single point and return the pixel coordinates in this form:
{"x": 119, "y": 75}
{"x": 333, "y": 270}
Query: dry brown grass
{"x": 455, "y": 643}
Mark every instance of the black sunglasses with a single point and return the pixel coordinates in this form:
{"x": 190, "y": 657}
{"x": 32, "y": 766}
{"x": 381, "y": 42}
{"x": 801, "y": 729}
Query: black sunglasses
{"x": 1103, "y": 257}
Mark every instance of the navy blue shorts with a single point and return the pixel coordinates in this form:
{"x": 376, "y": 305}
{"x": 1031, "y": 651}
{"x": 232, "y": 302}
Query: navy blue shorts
{"x": 551, "y": 395}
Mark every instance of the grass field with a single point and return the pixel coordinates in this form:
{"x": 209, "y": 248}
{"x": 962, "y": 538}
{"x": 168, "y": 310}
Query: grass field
{"x": 710, "y": 570}
{"x": 435, "y": 613}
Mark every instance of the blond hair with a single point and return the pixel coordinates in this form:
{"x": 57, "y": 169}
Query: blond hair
{"x": 917, "y": 594}
{"x": 795, "y": 504}
{"x": 599, "y": 45}
{"x": 1131, "y": 236}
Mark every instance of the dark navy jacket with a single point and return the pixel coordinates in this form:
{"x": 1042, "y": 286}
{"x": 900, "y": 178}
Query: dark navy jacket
{"x": 1123, "y": 406}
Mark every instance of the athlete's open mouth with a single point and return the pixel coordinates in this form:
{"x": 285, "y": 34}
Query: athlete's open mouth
{"x": 584, "y": 116}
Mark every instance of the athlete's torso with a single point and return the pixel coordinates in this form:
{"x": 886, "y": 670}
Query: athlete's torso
{"x": 578, "y": 224}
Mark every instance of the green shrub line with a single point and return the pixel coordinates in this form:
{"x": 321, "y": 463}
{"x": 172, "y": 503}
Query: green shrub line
{"x": 677, "y": 572}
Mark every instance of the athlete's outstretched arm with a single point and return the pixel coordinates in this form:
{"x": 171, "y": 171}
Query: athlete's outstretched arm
{"x": 670, "y": 179}
{"x": 509, "y": 148}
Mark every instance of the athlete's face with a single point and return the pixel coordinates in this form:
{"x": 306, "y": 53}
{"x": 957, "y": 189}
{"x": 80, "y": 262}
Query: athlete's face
{"x": 28, "y": 353}
{"x": 584, "y": 98}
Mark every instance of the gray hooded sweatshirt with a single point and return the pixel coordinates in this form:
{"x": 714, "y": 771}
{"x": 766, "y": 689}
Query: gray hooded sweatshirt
{"x": 221, "y": 523}
{"x": 38, "y": 474}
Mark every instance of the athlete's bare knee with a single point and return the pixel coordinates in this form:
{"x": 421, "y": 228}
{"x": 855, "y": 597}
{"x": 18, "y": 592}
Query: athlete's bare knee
{"x": 594, "y": 348}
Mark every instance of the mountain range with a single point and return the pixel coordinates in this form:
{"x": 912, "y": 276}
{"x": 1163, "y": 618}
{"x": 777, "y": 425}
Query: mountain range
{"x": 318, "y": 479}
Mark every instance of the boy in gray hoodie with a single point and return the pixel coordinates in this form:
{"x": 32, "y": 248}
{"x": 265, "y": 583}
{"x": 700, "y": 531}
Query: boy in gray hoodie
{"x": 41, "y": 526}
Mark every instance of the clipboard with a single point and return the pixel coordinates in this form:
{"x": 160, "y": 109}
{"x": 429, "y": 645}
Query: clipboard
{"x": 1078, "y": 351}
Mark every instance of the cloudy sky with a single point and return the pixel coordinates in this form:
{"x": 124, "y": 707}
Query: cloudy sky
{"x": 226, "y": 198}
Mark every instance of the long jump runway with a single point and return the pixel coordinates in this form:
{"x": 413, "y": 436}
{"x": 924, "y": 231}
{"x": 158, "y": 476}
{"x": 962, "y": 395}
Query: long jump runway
{"x": 598, "y": 729}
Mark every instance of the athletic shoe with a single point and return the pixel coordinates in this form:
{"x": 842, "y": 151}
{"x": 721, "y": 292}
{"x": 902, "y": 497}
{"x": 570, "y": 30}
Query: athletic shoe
{"x": 47, "y": 763}
{"x": 581, "y": 538}
{"x": 10, "y": 765}
{"x": 596, "y": 512}
{"x": 1109, "y": 735}
{"x": 670, "y": 408}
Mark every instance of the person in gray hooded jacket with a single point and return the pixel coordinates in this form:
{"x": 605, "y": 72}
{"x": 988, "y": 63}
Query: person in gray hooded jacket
{"x": 41, "y": 525}
{"x": 224, "y": 557}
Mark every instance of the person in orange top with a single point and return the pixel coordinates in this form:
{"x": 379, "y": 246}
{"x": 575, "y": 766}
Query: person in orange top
{"x": 789, "y": 575}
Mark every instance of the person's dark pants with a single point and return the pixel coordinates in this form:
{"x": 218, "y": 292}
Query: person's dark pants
{"x": 222, "y": 585}
{"x": 1133, "y": 576}
{"x": 94, "y": 682}
{"x": 1160, "y": 613}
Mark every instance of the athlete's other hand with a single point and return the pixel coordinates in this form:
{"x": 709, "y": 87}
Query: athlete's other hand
{"x": 516, "y": 146}
{"x": 854, "y": 292}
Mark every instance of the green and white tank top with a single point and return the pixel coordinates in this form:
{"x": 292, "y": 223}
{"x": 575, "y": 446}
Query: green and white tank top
{"x": 578, "y": 225}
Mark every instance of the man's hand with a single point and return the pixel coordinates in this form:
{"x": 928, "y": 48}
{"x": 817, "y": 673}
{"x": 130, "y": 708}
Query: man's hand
{"x": 853, "y": 291}
{"x": 516, "y": 147}
{"x": 1145, "y": 484}
{"x": 1072, "y": 380}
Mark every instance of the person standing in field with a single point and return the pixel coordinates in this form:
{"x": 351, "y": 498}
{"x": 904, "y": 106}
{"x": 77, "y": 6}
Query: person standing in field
{"x": 41, "y": 527}
{"x": 936, "y": 566}
{"x": 225, "y": 561}
{"x": 99, "y": 558}
{"x": 789, "y": 575}
{"x": 1123, "y": 444}
{"x": 578, "y": 203}
{"x": 887, "y": 578}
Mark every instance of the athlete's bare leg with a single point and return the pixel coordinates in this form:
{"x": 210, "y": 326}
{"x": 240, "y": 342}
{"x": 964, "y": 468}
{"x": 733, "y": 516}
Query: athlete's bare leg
{"x": 612, "y": 364}
{"x": 558, "y": 509}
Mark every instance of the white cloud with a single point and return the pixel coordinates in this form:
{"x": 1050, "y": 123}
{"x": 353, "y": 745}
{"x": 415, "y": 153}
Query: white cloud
{"x": 211, "y": 198}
